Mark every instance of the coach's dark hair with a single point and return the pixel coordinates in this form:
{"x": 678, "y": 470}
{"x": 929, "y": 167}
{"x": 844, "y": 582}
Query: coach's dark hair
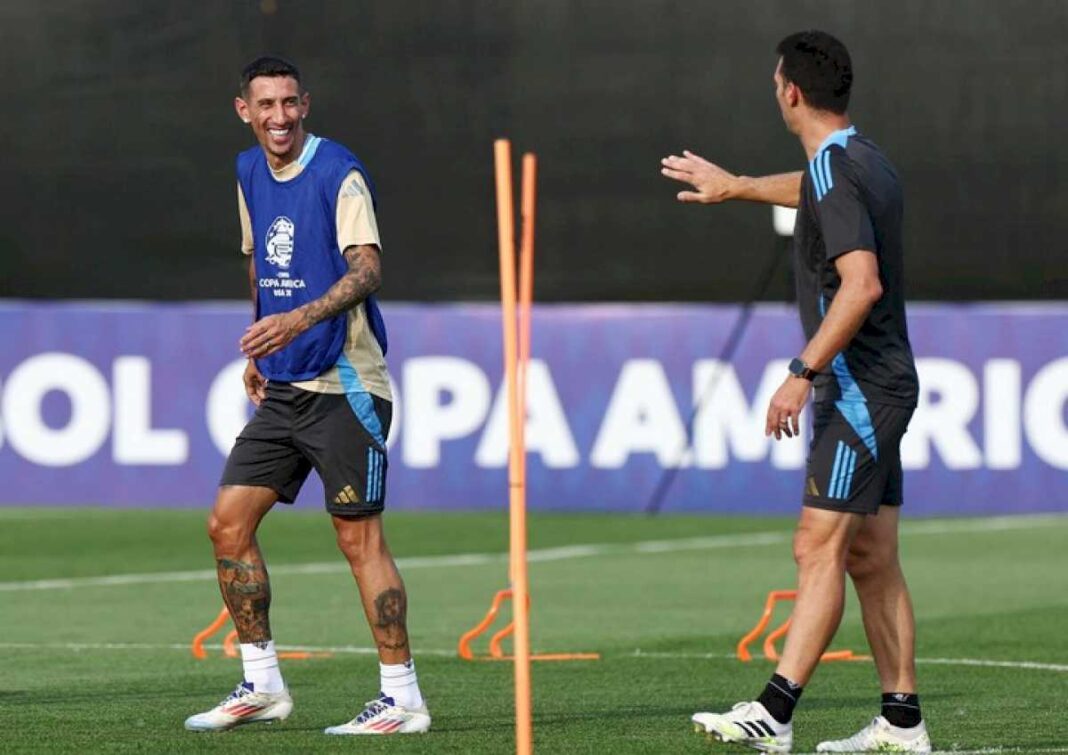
{"x": 819, "y": 65}
{"x": 267, "y": 65}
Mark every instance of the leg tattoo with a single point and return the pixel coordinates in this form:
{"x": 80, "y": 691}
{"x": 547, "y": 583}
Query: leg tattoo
{"x": 391, "y": 617}
{"x": 246, "y": 590}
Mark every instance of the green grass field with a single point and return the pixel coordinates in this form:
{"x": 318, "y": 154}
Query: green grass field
{"x": 91, "y": 664}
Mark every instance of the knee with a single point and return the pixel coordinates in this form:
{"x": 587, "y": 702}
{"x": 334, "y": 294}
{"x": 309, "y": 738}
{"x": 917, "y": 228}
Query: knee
{"x": 360, "y": 544}
{"x": 866, "y": 558}
{"x": 229, "y": 536}
{"x": 811, "y": 552}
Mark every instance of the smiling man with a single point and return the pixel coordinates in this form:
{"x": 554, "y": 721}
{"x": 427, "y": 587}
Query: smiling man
{"x": 848, "y": 260}
{"x": 317, "y": 375}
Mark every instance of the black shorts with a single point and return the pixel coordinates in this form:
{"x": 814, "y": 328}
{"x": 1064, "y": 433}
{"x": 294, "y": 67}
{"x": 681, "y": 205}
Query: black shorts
{"x": 341, "y": 436}
{"x": 854, "y": 462}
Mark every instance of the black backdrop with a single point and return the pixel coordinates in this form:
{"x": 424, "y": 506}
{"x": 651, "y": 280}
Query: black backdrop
{"x": 119, "y": 137}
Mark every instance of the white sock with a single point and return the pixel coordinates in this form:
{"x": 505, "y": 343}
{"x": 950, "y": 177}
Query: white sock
{"x": 399, "y": 682}
{"x": 261, "y": 667}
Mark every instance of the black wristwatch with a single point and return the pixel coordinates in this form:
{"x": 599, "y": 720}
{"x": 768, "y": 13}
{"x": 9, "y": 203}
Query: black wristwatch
{"x": 801, "y": 370}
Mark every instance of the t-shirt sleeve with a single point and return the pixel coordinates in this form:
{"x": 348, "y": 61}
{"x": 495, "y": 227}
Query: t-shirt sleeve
{"x": 247, "y": 245}
{"x": 845, "y": 221}
{"x": 356, "y": 223}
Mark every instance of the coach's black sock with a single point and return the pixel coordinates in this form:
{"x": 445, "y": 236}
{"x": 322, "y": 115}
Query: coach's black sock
{"x": 902, "y": 709}
{"x": 779, "y": 697}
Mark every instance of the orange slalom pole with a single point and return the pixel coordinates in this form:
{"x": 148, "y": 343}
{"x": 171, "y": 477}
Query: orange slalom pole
{"x": 527, "y": 205}
{"x": 502, "y": 153}
{"x": 518, "y": 546}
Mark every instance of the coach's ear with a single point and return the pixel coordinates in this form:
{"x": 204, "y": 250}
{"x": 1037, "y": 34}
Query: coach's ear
{"x": 242, "y": 110}
{"x": 792, "y": 94}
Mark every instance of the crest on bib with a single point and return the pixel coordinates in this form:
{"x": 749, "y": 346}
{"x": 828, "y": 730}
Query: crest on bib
{"x": 280, "y": 238}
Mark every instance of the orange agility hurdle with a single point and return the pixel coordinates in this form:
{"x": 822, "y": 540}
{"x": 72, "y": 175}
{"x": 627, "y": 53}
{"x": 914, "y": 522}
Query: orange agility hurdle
{"x": 770, "y": 652}
{"x": 496, "y": 653}
{"x": 230, "y": 649}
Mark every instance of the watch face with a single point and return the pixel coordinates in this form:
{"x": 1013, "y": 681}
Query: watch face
{"x": 797, "y": 367}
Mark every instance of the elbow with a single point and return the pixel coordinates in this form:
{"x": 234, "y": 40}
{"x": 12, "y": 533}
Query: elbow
{"x": 864, "y": 291}
{"x": 873, "y": 292}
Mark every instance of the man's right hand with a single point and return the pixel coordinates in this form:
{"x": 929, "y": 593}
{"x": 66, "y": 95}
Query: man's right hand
{"x": 712, "y": 184}
{"x": 255, "y": 383}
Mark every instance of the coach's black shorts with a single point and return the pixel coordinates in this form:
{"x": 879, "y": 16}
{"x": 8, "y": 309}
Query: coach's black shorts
{"x": 854, "y": 462}
{"x": 340, "y": 436}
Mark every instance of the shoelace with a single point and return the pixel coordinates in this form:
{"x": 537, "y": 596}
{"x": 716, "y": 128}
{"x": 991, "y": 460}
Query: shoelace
{"x": 237, "y": 694}
{"x": 374, "y": 707}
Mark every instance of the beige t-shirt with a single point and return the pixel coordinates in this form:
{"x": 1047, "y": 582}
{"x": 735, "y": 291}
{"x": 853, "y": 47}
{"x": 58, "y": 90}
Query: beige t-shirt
{"x": 356, "y": 225}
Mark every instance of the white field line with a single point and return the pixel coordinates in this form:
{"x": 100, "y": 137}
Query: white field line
{"x": 982, "y": 662}
{"x": 79, "y": 647}
{"x": 358, "y": 650}
{"x": 711, "y": 542}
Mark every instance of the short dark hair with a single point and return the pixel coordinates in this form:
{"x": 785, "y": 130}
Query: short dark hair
{"x": 267, "y": 65}
{"x": 819, "y": 65}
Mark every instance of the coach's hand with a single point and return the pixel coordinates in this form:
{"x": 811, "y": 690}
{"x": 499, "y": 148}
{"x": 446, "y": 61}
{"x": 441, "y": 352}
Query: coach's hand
{"x": 711, "y": 182}
{"x": 271, "y": 334}
{"x": 784, "y": 412}
{"x": 255, "y": 383}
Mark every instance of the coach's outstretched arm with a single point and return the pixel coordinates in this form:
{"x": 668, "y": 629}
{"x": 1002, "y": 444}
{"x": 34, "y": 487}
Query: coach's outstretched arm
{"x": 712, "y": 184}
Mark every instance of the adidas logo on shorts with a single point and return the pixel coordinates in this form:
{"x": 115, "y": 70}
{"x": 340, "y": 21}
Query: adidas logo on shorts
{"x": 347, "y": 495}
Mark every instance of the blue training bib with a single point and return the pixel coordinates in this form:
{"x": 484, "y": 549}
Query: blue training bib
{"x": 297, "y": 259}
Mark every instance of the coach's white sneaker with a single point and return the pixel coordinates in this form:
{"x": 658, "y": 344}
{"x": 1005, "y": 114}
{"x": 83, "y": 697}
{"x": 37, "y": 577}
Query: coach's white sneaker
{"x": 243, "y": 706}
{"x": 383, "y": 716}
{"x": 749, "y": 724}
{"x": 881, "y": 736}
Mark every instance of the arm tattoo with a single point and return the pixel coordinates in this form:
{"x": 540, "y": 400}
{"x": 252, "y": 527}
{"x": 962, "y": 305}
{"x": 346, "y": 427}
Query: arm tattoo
{"x": 362, "y": 279}
{"x": 246, "y": 590}
{"x": 391, "y": 618}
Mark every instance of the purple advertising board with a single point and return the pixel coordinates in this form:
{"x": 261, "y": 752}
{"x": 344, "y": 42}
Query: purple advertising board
{"x": 131, "y": 404}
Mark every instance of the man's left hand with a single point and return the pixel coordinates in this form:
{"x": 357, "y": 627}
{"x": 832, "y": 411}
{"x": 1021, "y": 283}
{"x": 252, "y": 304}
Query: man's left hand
{"x": 784, "y": 412}
{"x": 273, "y": 333}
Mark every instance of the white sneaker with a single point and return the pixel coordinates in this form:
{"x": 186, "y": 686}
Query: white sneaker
{"x": 749, "y": 724}
{"x": 383, "y": 716}
{"x": 243, "y": 706}
{"x": 881, "y": 736}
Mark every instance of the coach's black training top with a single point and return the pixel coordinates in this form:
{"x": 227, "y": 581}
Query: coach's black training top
{"x": 851, "y": 199}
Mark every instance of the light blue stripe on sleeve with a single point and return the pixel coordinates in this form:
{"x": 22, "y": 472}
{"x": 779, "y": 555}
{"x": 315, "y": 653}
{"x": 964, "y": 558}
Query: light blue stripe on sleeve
{"x": 821, "y": 162}
{"x": 310, "y": 147}
{"x": 816, "y": 180}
